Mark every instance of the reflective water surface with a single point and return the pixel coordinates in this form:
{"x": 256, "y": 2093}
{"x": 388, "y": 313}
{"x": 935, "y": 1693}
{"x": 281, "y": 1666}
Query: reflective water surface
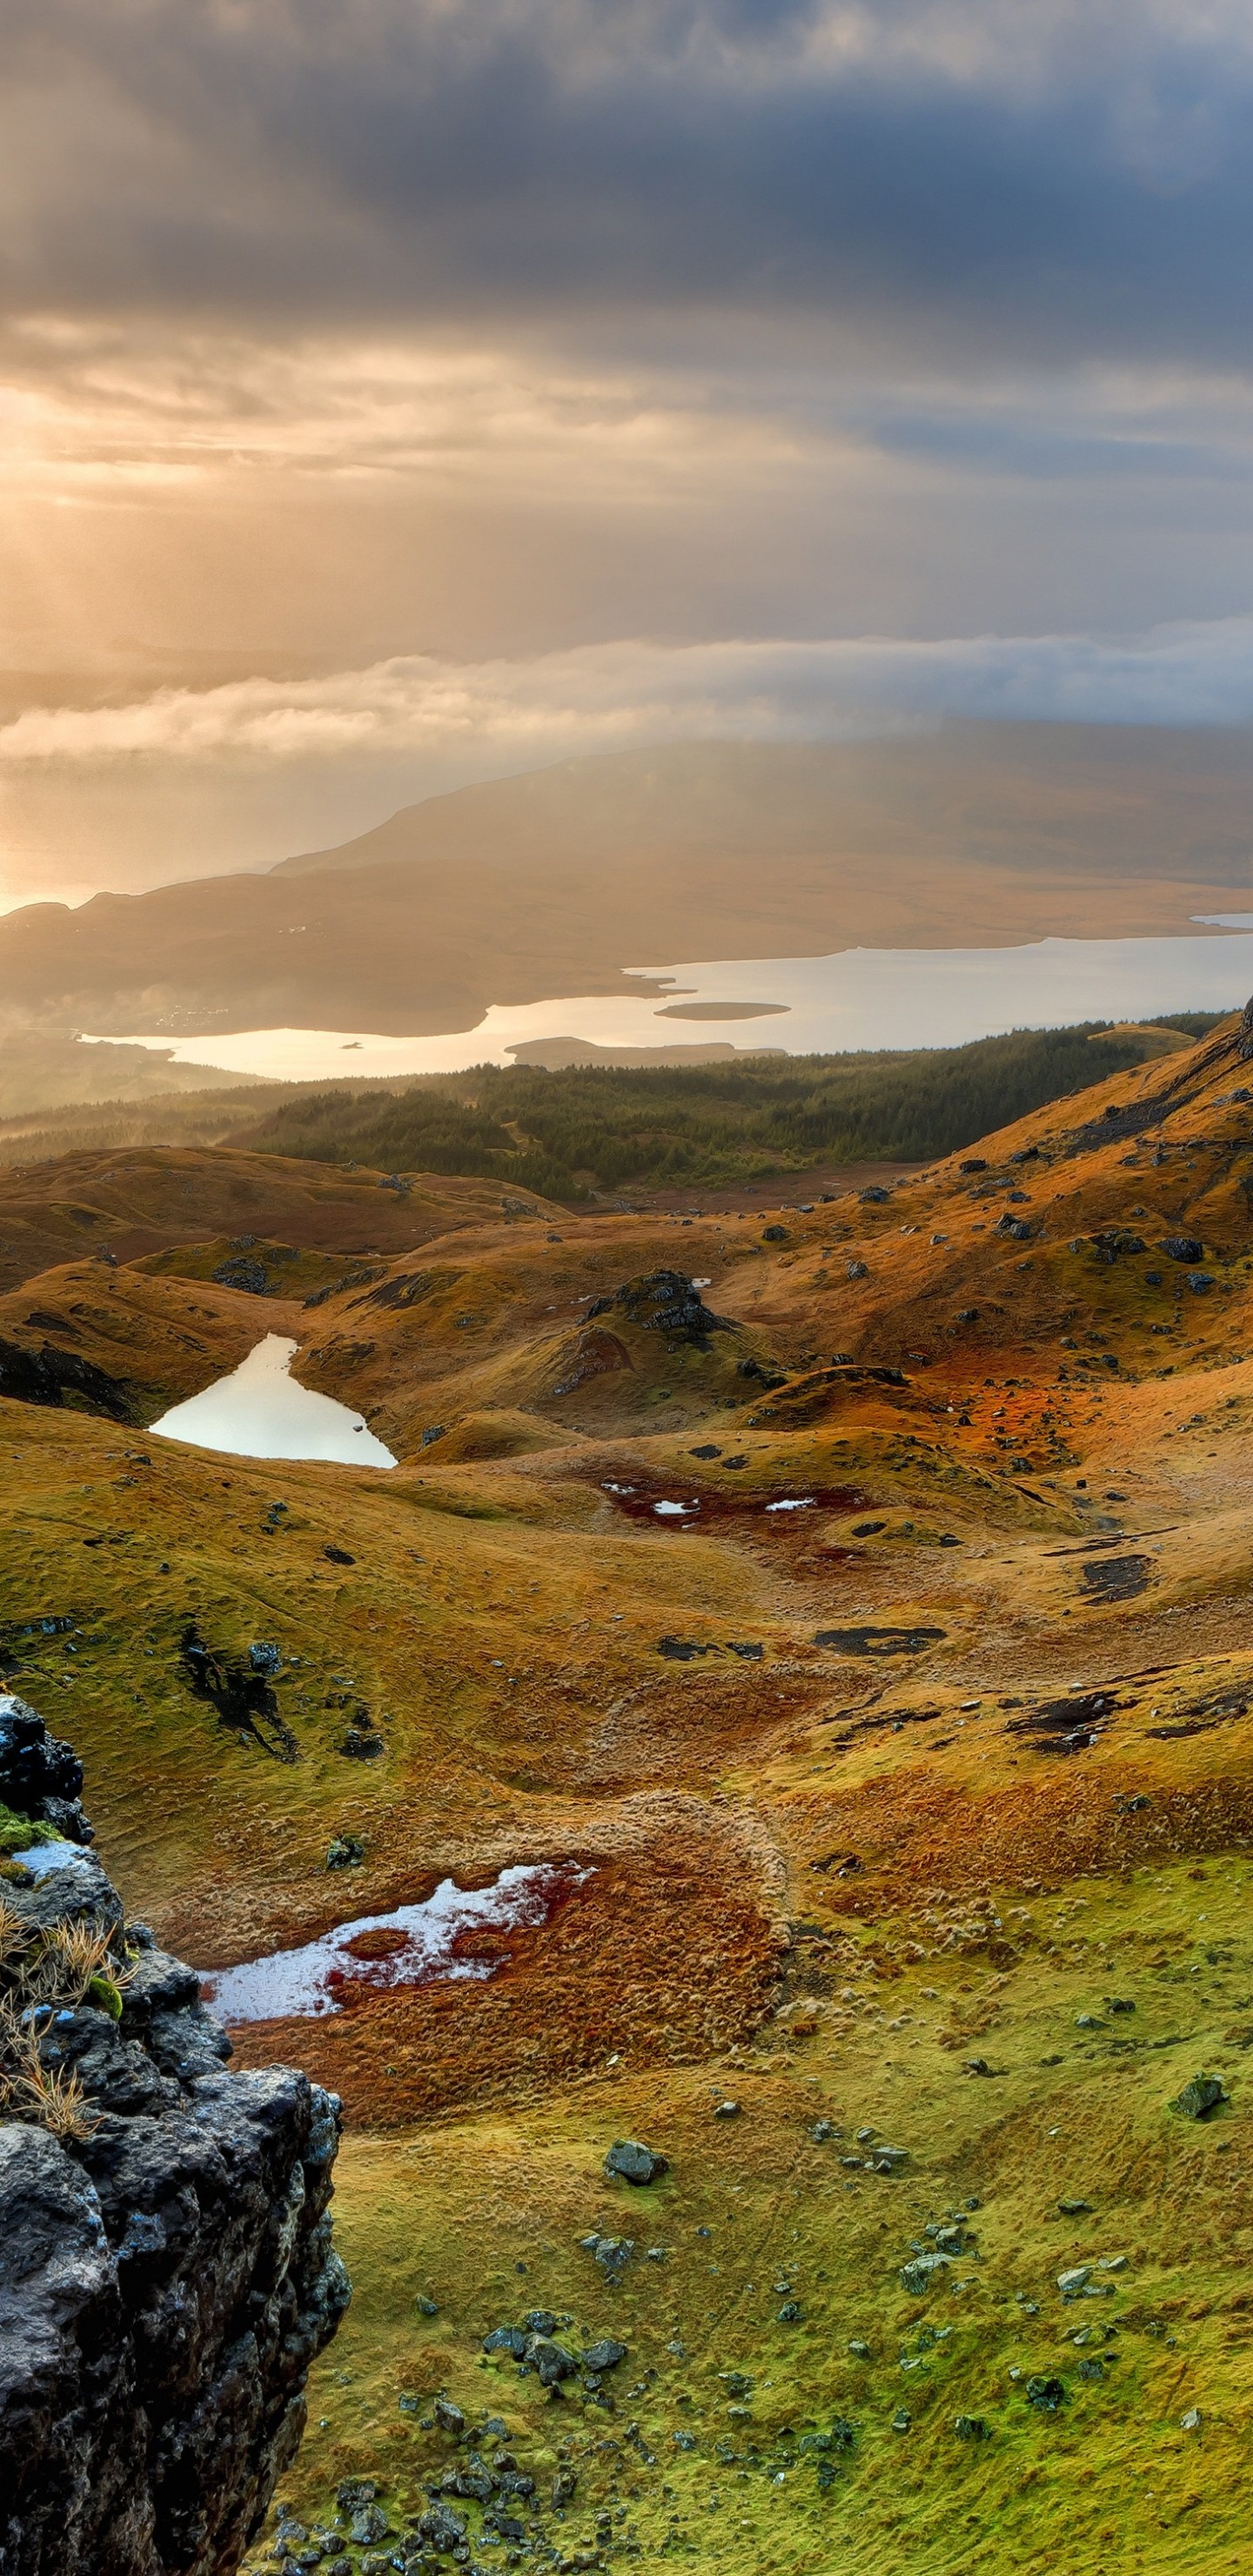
{"x": 259, "y": 1411}
{"x": 858, "y": 998}
{"x": 407, "y": 1947}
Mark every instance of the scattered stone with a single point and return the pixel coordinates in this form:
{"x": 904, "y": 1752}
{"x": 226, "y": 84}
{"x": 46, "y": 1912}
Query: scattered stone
{"x": 425, "y": 2307}
{"x": 506, "y": 2339}
{"x": 550, "y": 2361}
{"x": 449, "y": 2417}
{"x": 339, "y": 1556}
{"x": 1074, "y": 2208}
{"x": 346, "y": 1851}
{"x": 860, "y": 2351}
{"x": 874, "y": 1196}
{"x": 352, "y": 2493}
{"x": 857, "y": 1270}
{"x": 1115, "y": 1240}
{"x": 362, "y": 1744}
{"x": 369, "y": 2523}
{"x": 634, "y": 2163}
{"x": 604, "y": 2355}
{"x": 902, "y": 2420}
{"x": 1073, "y": 2282}
{"x": 970, "y": 2428}
{"x": 1047, "y": 2394}
{"x": 1200, "y": 2096}
{"x": 443, "y": 2529}
{"x": 791, "y": 2314}
{"x": 1181, "y": 1247}
{"x": 920, "y": 2275}
{"x": 1191, "y": 2422}
{"x": 726, "y": 2110}
{"x": 613, "y": 2253}
{"x": 774, "y": 1234}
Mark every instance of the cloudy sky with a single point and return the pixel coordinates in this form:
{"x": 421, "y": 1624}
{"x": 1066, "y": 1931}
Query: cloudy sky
{"x": 398, "y": 392}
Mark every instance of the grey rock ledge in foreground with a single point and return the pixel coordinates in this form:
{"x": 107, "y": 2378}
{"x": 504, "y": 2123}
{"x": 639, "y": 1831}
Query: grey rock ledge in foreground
{"x": 166, "y": 2281}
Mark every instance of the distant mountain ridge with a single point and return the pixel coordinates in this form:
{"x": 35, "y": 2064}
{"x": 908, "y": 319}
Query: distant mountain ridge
{"x": 1167, "y": 802}
{"x": 545, "y": 885}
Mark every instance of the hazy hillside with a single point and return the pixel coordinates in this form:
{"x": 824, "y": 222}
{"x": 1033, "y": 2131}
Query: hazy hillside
{"x": 547, "y": 884}
{"x": 1104, "y": 799}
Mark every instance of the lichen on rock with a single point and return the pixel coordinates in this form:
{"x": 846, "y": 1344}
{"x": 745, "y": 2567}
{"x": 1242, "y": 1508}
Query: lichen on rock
{"x": 166, "y": 2261}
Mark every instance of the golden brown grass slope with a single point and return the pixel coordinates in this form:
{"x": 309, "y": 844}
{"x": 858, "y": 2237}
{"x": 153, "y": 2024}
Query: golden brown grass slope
{"x": 143, "y": 1199}
{"x": 908, "y": 1763}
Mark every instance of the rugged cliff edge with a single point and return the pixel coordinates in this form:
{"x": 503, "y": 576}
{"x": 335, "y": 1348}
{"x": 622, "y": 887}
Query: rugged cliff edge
{"x": 166, "y": 2265}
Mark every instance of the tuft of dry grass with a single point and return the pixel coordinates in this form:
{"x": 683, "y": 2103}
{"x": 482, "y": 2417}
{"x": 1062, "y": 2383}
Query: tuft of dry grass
{"x": 44, "y": 1969}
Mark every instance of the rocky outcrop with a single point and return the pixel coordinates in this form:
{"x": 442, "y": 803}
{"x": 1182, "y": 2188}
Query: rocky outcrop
{"x": 166, "y": 2266}
{"x": 48, "y": 1375}
{"x": 665, "y": 1301}
{"x": 39, "y": 1776}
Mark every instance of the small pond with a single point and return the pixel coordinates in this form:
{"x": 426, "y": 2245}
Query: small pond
{"x": 261, "y": 1411}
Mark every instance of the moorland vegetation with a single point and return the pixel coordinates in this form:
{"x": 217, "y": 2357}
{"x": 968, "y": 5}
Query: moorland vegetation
{"x": 896, "y": 1779}
{"x": 591, "y": 1129}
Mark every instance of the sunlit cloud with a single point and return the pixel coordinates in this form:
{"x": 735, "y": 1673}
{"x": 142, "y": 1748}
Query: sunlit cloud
{"x": 368, "y": 375}
{"x": 610, "y": 695}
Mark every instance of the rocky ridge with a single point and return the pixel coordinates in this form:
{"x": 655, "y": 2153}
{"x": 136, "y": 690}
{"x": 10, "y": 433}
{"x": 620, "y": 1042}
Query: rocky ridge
{"x": 166, "y": 2266}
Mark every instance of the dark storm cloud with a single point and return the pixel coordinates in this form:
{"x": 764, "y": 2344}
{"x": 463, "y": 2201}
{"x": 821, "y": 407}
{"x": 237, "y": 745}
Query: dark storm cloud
{"x": 1004, "y": 177}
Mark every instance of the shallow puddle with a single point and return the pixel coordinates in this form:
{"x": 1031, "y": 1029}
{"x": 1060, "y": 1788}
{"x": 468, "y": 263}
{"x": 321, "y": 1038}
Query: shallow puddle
{"x": 685, "y": 1507}
{"x": 410, "y": 1947}
{"x": 260, "y": 1411}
